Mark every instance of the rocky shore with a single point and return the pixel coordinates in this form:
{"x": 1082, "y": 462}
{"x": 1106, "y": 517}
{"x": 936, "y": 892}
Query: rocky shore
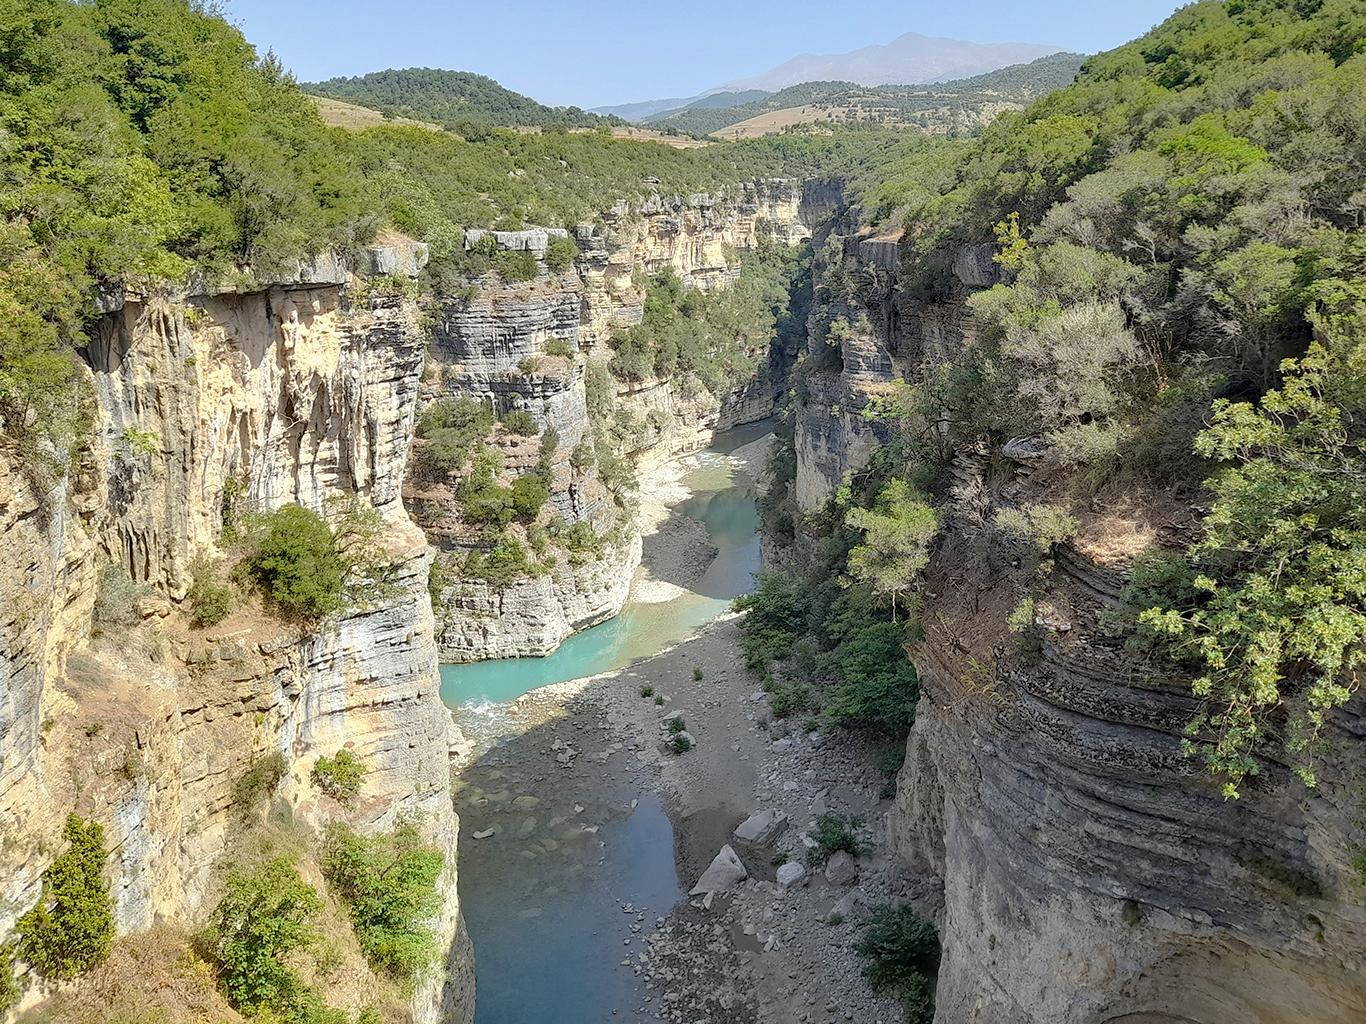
{"x": 574, "y": 760}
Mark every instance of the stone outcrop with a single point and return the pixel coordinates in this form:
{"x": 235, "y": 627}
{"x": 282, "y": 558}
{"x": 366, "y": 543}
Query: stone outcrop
{"x": 252, "y": 401}
{"x": 492, "y": 347}
{"x": 1093, "y": 874}
{"x": 533, "y": 616}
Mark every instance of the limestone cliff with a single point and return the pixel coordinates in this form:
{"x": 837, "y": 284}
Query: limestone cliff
{"x": 528, "y": 346}
{"x": 256, "y": 400}
{"x": 1091, "y": 871}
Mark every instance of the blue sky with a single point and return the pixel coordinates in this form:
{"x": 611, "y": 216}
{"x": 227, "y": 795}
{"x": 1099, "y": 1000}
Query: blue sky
{"x": 592, "y": 53}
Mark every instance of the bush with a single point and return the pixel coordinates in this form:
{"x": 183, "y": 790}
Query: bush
{"x": 210, "y": 600}
{"x": 259, "y": 781}
{"x": 903, "y": 952}
{"x": 697, "y": 674}
{"x": 339, "y": 777}
{"x": 515, "y": 266}
{"x": 116, "y": 600}
{"x": 71, "y": 928}
{"x": 388, "y": 882}
{"x": 559, "y": 347}
{"x": 297, "y": 564}
{"x": 680, "y": 743}
{"x": 519, "y": 421}
{"x": 10, "y": 992}
{"x": 677, "y": 725}
{"x": 835, "y": 832}
{"x": 647, "y": 691}
{"x": 263, "y": 917}
{"x": 529, "y": 495}
{"x": 560, "y": 253}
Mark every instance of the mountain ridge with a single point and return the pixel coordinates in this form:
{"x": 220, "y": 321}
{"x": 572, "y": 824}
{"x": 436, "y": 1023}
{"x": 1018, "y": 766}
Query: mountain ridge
{"x": 910, "y": 58}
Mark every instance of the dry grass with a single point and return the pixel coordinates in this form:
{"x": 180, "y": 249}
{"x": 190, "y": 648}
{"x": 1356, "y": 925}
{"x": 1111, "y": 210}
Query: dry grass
{"x": 649, "y": 135}
{"x": 151, "y": 978}
{"x": 354, "y": 118}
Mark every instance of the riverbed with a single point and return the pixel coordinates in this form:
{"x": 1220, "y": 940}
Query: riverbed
{"x": 563, "y": 873}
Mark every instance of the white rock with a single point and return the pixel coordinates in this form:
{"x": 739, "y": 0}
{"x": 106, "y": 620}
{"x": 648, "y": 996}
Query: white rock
{"x": 841, "y": 869}
{"x": 762, "y": 828}
{"x": 790, "y": 873}
{"x": 724, "y": 872}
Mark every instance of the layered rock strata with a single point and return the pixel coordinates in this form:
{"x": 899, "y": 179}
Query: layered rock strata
{"x": 246, "y": 402}
{"x": 492, "y": 348}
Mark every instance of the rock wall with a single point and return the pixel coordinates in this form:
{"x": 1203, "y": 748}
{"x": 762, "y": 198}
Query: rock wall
{"x": 284, "y": 395}
{"x": 1092, "y": 873}
{"x": 492, "y": 348}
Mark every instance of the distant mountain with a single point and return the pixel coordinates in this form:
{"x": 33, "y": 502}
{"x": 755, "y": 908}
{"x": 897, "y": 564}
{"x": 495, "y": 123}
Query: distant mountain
{"x": 648, "y": 109}
{"x": 908, "y": 58}
{"x": 936, "y": 107}
{"x": 450, "y": 99}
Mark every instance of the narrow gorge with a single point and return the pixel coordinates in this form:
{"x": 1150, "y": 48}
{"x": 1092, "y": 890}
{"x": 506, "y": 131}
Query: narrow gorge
{"x": 474, "y": 562}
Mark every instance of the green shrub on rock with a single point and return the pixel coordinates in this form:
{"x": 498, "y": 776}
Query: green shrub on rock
{"x": 902, "y": 949}
{"x": 71, "y": 928}
{"x": 263, "y": 917}
{"x": 388, "y": 881}
{"x": 297, "y": 563}
{"x": 340, "y": 776}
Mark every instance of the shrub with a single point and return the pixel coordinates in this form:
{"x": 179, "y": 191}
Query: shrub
{"x": 835, "y": 832}
{"x": 680, "y": 743}
{"x": 210, "y": 600}
{"x": 647, "y": 691}
{"x": 339, "y": 777}
{"x": 529, "y": 365}
{"x": 902, "y": 949}
{"x": 519, "y": 421}
{"x": 506, "y": 563}
{"x": 388, "y": 882}
{"x": 71, "y": 928}
{"x": 560, "y": 253}
{"x": 10, "y": 992}
{"x": 529, "y": 494}
{"x": 116, "y": 600}
{"x": 515, "y": 266}
{"x": 697, "y": 674}
{"x": 297, "y": 564}
{"x": 263, "y": 917}
{"x": 259, "y": 780}
{"x": 559, "y": 347}
{"x": 677, "y": 725}
{"x": 583, "y": 455}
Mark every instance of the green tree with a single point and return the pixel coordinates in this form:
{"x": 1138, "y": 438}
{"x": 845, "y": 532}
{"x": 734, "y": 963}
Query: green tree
{"x": 388, "y": 881}
{"x": 262, "y": 918}
{"x": 897, "y": 534}
{"x": 298, "y": 565}
{"x": 71, "y": 928}
{"x": 1280, "y": 618}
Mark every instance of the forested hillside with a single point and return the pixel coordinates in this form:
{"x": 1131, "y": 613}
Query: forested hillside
{"x": 147, "y": 139}
{"x": 1182, "y": 234}
{"x": 454, "y": 99}
{"x": 890, "y": 104}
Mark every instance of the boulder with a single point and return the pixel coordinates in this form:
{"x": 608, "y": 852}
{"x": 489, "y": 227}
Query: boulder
{"x": 790, "y": 873}
{"x": 841, "y": 869}
{"x": 762, "y": 828}
{"x": 843, "y": 908}
{"x": 724, "y": 872}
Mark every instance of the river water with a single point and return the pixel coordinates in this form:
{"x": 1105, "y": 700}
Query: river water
{"x": 580, "y": 863}
{"x": 731, "y": 516}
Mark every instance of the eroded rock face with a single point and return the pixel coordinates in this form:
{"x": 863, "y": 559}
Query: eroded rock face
{"x": 533, "y": 616}
{"x": 280, "y": 396}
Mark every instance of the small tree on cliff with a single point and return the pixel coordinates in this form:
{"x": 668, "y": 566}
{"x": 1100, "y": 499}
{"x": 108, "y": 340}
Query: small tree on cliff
{"x": 897, "y": 533}
{"x": 71, "y": 928}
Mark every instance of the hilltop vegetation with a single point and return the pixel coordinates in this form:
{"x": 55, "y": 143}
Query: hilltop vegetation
{"x": 889, "y": 104}
{"x": 456, "y": 100}
{"x": 1183, "y": 229}
{"x": 147, "y": 138}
